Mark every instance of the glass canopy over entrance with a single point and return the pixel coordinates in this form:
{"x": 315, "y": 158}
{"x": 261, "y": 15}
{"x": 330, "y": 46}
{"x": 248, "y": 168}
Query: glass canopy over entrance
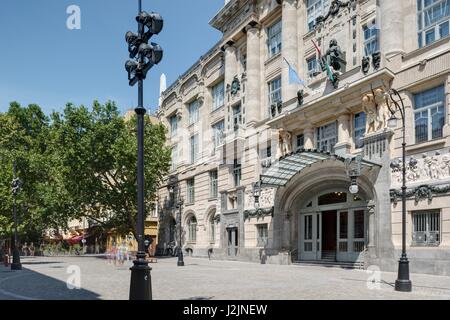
{"x": 280, "y": 173}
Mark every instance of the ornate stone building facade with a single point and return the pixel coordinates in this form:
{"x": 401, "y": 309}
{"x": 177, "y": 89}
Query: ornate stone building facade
{"x": 241, "y": 115}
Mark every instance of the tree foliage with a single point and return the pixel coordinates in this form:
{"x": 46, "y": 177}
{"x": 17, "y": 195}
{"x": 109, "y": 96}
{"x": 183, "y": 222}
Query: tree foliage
{"x": 78, "y": 163}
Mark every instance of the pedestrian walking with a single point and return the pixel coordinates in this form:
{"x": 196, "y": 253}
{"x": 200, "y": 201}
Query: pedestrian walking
{"x": 25, "y": 249}
{"x": 32, "y": 249}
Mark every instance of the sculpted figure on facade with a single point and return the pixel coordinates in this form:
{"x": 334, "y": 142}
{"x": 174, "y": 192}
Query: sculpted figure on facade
{"x": 377, "y": 112}
{"x": 284, "y": 143}
{"x": 335, "y": 56}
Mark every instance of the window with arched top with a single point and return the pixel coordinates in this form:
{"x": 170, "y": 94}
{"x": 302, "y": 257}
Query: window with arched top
{"x": 192, "y": 229}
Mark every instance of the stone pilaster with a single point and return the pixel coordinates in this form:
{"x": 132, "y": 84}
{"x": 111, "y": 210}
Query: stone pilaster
{"x": 343, "y": 146}
{"x": 289, "y": 48}
{"x": 230, "y": 62}
{"x": 446, "y": 132}
{"x": 392, "y": 27}
{"x": 253, "y": 92}
{"x": 308, "y": 134}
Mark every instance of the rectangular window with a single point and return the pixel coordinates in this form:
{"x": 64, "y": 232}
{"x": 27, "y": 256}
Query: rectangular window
{"x": 359, "y": 129}
{"x": 191, "y": 191}
{"x": 426, "y": 228}
{"x": 316, "y": 8}
{"x": 174, "y": 156}
{"x": 263, "y": 234}
{"x": 269, "y": 152}
{"x": 312, "y": 67}
{"x": 193, "y": 112}
{"x": 218, "y": 129}
{"x": 429, "y": 114}
{"x": 274, "y": 94}
{"x": 194, "y": 148}
{"x": 300, "y": 141}
{"x": 358, "y": 221}
{"x": 371, "y": 36}
{"x": 173, "y": 120}
{"x": 237, "y": 117}
{"x": 237, "y": 173}
{"x": 218, "y": 93}
{"x": 274, "y": 39}
{"x": 433, "y": 18}
{"x": 213, "y": 184}
{"x": 327, "y": 137}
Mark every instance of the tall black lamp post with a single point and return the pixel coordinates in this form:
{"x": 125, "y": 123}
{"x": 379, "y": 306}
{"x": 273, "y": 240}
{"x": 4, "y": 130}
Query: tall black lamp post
{"x": 180, "y": 262}
{"x": 144, "y": 56}
{"x": 16, "y": 265}
{"x": 403, "y": 283}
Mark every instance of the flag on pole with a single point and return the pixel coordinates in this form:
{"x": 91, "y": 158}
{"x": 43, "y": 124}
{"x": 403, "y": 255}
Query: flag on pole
{"x": 293, "y": 75}
{"x": 323, "y": 61}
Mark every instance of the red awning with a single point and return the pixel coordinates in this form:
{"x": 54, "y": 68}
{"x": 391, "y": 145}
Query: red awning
{"x": 74, "y": 239}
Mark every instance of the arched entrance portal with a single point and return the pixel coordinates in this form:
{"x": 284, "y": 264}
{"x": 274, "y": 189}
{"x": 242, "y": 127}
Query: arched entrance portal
{"x": 333, "y": 226}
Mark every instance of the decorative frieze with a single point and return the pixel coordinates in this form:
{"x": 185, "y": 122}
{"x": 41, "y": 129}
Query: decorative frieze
{"x": 266, "y": 199}
{"x": 258, "y": 213}
{"x": 428, "y": 167}
{"x": 420, "y": 193}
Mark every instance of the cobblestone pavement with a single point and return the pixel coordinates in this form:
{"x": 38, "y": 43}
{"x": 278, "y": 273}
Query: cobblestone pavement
{"x": 45, "y": 278}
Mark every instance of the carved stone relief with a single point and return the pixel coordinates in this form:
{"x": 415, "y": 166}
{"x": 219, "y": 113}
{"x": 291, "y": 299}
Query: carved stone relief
{"x": 266, "y": 199}
{"x": 420, "y": 169}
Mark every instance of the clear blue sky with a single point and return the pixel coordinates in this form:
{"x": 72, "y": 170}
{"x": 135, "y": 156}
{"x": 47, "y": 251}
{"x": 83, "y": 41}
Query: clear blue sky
{"x": 43, "y": 62}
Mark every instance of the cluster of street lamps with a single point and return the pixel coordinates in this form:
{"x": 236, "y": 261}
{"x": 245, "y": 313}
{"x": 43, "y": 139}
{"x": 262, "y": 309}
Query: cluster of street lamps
{"x": 143, "y": 57}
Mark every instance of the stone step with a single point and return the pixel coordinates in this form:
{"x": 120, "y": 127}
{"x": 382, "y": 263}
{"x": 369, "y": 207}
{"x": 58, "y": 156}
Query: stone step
{"x": 331, "y": 264}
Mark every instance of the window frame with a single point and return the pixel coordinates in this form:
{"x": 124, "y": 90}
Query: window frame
{"x": 274, "y": 39}
{"x": 320, "y": 140}
{"x": 314, "y": 9}
{"x": 424, "y": 223}
{"x": 192, "y": 228}
{"x": 359, "y": 129}
{"x": 190, "y": 190}
{"x": 262, "y": 238}
{"x": 218, "y": 134}
{"x": 218, "y": 90}
{"x": 194, "y": 113}
{"x": 173, "y": 121}
{"x": 428, "y": 109}
{"x": 194, "y": 148}
{"x": 373, "y": 38}
{"x": 237, "y": 116}
{"x": 174, "y": 164}
{"x": 237, "y": 173}
{"x": 435, "y": 26}
{"x": 214, "y": 184}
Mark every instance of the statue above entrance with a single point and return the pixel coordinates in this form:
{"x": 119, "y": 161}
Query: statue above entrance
{"x": 377, "y": 113}
{"x": 284, "y": 143}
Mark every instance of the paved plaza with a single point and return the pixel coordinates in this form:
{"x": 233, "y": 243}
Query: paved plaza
{"x": 46, "y": 278}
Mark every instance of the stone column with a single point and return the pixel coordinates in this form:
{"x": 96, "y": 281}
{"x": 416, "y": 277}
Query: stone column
{"x": 253, "y": 91}
{"x": 289, "y": 48}
{"x": 343, "y": 146}
{"x": 392, "y": 27}
{"x": 230, "y": 62}
{"x": 308, "y": 134}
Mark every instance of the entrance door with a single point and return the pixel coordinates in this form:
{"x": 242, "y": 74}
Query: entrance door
{"x": 232, "y": 241}
{"x": 329, "y": 236}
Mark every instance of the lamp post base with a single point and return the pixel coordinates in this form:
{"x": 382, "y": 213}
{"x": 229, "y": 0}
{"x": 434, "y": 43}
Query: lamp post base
{"x": 16, "y": 265}
{"x": 180, "y": 262}
{"x": 403, "y": 283}
{"x": 141, "y": 281}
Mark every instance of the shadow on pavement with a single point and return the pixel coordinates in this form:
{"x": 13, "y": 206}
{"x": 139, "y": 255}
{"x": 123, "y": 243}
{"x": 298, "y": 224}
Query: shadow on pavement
{"x": 30, "y": 285}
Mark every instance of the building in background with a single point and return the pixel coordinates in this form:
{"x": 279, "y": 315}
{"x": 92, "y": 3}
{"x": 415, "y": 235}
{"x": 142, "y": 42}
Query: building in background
{"x": 240, "y": 115}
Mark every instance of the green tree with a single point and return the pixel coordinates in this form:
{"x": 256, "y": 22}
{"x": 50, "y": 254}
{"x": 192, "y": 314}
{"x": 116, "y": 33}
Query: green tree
{"x": 97, "y": 160}
{"x": 24, "y": 140}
